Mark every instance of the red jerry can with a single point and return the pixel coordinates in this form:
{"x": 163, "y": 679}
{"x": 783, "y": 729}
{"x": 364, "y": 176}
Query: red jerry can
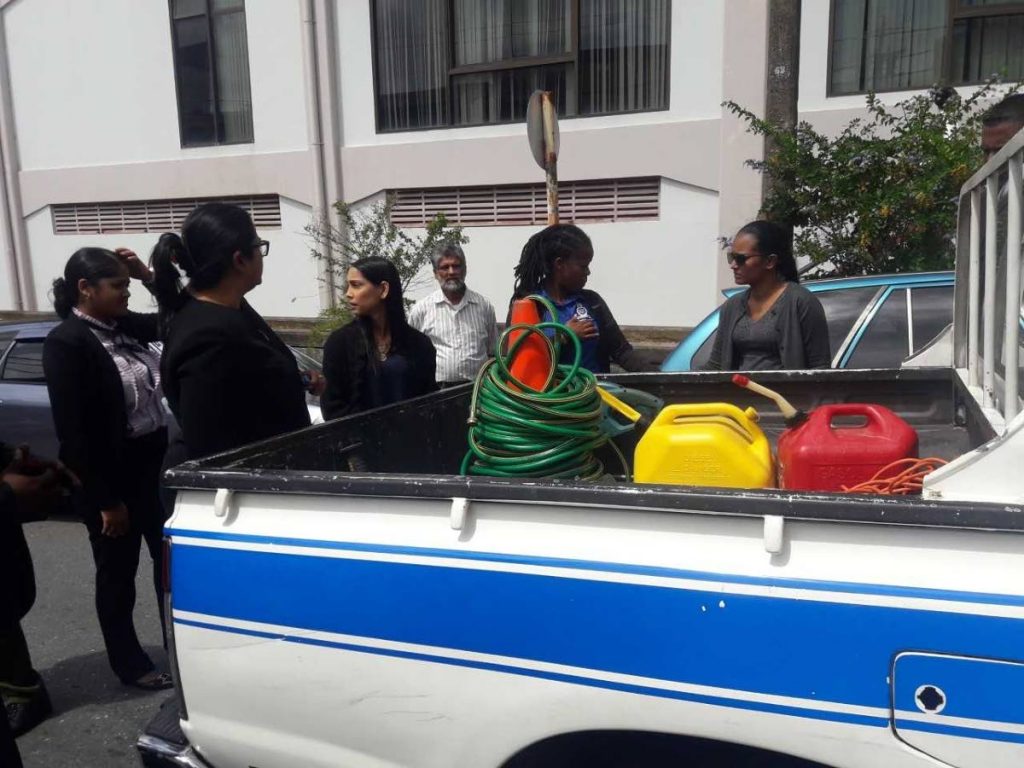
{"x": 822, "y": 454}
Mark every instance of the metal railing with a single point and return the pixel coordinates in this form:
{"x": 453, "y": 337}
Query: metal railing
{"x": 988, "y": 314}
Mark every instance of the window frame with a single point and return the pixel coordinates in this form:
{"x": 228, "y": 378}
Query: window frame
{"x": 217, "y": 128}
{"x": 508, "y": 65}
{"x": 954, "y": 13}
{"x": 6, "y": 359}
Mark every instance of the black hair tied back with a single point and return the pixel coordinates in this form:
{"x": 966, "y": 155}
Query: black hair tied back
{"x": 168, "y": 252}
{"x": 63, "y": 299}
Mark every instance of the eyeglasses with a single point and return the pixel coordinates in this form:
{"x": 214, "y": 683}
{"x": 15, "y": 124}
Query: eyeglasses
{"x": 739, "y": 259}
{"x": 263, "y": 245}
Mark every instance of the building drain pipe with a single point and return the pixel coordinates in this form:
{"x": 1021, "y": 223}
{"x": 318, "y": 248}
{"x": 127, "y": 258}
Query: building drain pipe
{"x": 321, "y": 216}
{"x": 15, "y": 235}
{"x": 330, "y": 118}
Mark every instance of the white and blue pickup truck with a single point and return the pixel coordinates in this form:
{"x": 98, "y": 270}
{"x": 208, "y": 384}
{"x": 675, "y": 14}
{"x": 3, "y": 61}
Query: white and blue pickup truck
{"x": 404, "y": 615}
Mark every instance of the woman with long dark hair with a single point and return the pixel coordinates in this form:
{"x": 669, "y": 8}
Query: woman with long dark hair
{"x": 229, "y": 379}
{"x": 776, "y": 323}
{"x": 105, "y": 394}
{"x": 555, "y": 264}
{"x": 378, "y": 358}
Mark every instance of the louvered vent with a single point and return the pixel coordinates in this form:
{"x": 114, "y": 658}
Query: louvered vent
{"x": 510, "y": 205}
{"x": 153, "y": 215}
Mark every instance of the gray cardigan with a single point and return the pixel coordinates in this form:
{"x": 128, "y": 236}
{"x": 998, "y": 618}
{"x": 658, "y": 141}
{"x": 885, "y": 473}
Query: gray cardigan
{"x": 800, "y": 327}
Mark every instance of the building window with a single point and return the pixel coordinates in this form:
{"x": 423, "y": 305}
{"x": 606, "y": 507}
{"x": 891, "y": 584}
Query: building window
{"x": 441, "y": 63}
{"x": 509, "y": 205}
{"x": 892, "y": 45}
{"x": 211, "y": 69}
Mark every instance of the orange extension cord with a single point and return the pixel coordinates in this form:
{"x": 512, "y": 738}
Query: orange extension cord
{"x": 901, "y": 478}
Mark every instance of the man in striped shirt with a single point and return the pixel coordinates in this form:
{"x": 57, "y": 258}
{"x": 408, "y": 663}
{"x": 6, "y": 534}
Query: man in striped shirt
{"x": 459, "y": 322}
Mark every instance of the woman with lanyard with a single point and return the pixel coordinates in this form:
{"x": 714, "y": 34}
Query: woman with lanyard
{"x": 378, "y": 358}
{"x": 555, "y": 264}
{"x": 229, "y": 379}
{"x": 105, "y": 394}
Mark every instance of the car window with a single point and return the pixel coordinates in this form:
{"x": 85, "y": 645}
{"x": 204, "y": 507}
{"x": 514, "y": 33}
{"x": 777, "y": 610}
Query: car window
{"x": 842, "y": 308}
{"x": 885, "y": 342}
{"x": 703, "y": 353}
{"x": 932, "y": 310}
{"x": 24, "y": 362}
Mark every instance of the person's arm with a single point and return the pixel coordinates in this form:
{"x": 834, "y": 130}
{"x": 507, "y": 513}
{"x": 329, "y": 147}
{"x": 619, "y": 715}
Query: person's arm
{"x": 492, "y": 329}
{"x": 145, "y": 327}
{"x": 89, "y": 455}
{"x": 428, "y": 366}
{"x": 814, "y": 332}
{"x": 618, "y": 346}
{"x": 340, "y": 394}
{"x": 417, "y": 315}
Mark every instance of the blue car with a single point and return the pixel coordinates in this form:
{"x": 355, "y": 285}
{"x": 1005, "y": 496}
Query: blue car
{"x": 873, "y": 322}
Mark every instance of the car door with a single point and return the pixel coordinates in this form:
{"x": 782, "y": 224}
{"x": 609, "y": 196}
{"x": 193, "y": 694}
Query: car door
{"x": 906, "y": 319}
{"x": 24, "y": 402}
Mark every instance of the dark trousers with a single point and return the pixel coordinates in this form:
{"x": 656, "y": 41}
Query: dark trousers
{"x": 9, "y": 757}
{"x": 117, "y": 559}
{"x": 15, "y": 660}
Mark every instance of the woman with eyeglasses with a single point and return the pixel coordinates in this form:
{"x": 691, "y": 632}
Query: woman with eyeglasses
{"x": 228, "y": 378}
{"x": 776, "y": 324}
{"x": 105, "y": 396}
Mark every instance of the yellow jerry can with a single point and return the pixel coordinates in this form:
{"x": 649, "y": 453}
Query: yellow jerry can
{"x": 710, "y": 444}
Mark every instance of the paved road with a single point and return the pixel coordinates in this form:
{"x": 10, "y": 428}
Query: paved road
{"x": 96, "y": 719}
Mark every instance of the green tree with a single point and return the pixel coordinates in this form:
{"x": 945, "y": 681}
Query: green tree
{"x": 371, "y": 232}
{"x": 882, "y": 195}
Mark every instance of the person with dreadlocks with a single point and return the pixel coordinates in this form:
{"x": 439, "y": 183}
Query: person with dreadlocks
{"x": 555, "y": 264}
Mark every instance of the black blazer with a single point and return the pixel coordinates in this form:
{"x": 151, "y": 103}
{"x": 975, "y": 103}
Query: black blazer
{"x": 229, "y": 379}
{"x": 346, "y": 370}
{"x": 87, "y": 402}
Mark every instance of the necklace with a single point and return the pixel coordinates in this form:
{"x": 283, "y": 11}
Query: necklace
{"x": 383, "y": 347}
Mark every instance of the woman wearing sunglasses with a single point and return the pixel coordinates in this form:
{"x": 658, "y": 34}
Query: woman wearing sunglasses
{"x": 228, "y": 378}
{"x": 775, "y": 324}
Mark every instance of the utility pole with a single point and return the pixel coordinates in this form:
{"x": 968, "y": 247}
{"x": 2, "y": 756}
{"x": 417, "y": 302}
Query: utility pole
{"x": 782, "y": 73}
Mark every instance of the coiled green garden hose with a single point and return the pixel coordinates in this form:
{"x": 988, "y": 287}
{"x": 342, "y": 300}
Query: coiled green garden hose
{"x": 518, "y": 431}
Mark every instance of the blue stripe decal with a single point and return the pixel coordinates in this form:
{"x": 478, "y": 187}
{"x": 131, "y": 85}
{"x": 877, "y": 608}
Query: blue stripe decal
{"x": 604, "y": 567}
{"x": 795, "y": 648}
{"x": 720, "y": 701}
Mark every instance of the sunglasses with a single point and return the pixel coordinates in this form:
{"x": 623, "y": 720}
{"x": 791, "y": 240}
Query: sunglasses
{"x": 739, "y": 259}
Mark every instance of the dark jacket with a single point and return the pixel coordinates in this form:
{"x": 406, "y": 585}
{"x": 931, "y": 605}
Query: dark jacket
{"x": 800, "y": 327}
{"x": 229, "y": 379}
{"x": 17, "y": 579}
{"x": 346, "y": 367}
{"x": 87, "y": 402}
{"x": 612, "y": 345}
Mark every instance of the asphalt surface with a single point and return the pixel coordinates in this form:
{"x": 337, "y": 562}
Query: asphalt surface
{"x": 96, "y": 719}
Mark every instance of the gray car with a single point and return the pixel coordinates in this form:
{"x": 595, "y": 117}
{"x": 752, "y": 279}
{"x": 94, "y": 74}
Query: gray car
{"x": 24, "y": 402}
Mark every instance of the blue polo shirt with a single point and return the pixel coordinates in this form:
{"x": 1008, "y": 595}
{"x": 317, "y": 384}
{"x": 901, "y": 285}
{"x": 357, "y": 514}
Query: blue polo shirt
{"x": 573, "y": 307}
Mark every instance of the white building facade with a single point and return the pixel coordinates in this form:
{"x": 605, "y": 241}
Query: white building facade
{"x": 116, "y": 116}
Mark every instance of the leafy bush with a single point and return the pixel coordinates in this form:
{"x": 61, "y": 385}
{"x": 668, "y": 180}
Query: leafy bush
{"x": 882, "y": 195}
{"x": 372, "y": 233}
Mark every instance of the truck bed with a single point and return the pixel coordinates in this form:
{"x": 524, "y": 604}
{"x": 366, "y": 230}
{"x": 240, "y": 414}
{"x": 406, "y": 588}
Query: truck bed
{"x": 414, "y": 449}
